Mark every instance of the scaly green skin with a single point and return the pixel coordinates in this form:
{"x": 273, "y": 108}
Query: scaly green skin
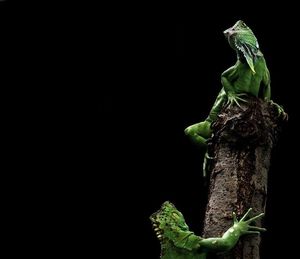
{"x": 249, "y": 76}
{"x": 177, "y": 242}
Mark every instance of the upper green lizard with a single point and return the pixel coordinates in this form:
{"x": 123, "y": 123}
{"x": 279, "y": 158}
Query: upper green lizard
{"x": 178, "y": 242}
{"x": 249, "y": 76}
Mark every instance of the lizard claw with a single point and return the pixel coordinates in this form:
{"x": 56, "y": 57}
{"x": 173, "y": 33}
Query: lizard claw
{"x": 235, "y": 98}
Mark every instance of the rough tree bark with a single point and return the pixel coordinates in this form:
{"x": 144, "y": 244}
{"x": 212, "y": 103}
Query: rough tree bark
{"x": 241, "y": 145}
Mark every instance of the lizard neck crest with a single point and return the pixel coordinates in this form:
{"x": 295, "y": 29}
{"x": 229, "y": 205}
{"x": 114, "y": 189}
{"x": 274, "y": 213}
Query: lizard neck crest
{"x": 243, "y": 41}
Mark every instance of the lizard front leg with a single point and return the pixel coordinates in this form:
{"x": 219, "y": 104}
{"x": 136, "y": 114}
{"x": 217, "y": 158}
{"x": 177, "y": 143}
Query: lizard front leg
{"x": 227, "y": 78}
{"x": 232, "y": 235}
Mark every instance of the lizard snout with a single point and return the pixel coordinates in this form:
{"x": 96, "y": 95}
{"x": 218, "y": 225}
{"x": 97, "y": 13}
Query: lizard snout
{"x": 228, "y": 32}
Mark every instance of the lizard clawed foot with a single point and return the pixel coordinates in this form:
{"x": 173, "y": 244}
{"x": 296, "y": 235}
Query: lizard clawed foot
{"x": 244, "y": 225}
{"x": 235, "y": 98}
{"x": 280, "y": 110}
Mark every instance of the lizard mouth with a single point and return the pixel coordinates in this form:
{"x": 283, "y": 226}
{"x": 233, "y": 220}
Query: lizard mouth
{"x": 155, "y": 224}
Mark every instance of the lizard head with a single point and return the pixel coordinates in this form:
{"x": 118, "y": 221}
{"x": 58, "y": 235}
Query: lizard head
{"x": 168, "y": 221}
{"x": 243, "y": 41}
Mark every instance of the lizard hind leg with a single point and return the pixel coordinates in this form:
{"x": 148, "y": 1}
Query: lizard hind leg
{"x": 199, "y": 133}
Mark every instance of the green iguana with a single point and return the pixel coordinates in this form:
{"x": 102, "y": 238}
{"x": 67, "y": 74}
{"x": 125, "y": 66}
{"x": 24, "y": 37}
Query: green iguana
{"x": 249, "y": 76}
{"x": 178, "y": 242}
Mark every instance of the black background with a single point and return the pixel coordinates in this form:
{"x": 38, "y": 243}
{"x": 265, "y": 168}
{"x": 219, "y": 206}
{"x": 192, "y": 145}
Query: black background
{"x": 119, "y": 85}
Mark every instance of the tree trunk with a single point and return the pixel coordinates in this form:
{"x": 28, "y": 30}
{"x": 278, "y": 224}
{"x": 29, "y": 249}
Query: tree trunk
{"x": 241, "y": 145}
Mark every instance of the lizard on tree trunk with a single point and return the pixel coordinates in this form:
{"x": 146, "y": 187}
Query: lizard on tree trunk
{"x": 249, "y": 76}
{"x": 178, "y": 242}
